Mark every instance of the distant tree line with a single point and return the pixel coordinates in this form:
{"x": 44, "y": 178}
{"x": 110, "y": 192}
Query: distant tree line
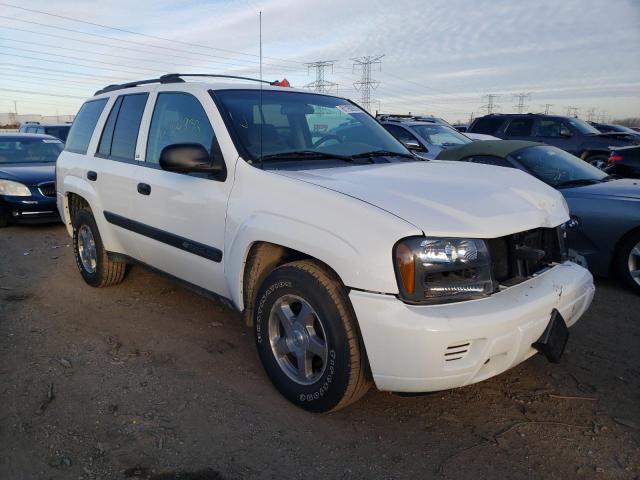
{"x": 628, "y": 122}
{"x": 10, "y": 126}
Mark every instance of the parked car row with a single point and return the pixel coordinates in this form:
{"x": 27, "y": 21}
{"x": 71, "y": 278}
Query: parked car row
{"x": 356, "y": 258}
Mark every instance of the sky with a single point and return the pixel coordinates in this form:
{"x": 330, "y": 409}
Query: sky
{"x": 439, "y": 57}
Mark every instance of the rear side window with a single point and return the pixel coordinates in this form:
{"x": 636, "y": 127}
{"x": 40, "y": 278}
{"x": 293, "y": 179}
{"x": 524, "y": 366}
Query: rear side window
{"x": 120, "y": 133}
{"x": 58, "y": 132}
{"x": 83, "y": 126}
{"x": 178, "y": 118}
{"x": 487, "y": 125}
{"x": 519, "y": 127}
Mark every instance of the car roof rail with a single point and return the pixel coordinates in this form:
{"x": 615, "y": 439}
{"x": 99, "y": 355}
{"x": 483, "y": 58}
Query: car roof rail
{"x": 177, "y": 78}
{"x": 31, "y": 122}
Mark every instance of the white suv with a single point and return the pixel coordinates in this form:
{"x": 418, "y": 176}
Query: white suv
{"x": 355, "y": 261}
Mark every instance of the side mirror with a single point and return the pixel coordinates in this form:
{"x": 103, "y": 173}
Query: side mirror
{"x": 188, "y": 158}
{"x": 565, "y": 132}
{"x": 415, "y": 146}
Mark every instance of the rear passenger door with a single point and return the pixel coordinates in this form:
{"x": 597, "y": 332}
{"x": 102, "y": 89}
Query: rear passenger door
{"x": 112, "y": 171}
{"x": 519, "y": 128}
{"x": 179, "y": 218}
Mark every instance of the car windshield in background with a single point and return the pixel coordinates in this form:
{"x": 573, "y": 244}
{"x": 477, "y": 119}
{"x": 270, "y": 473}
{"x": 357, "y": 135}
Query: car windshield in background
{"x": 31, "y": 150}
{"x": 441, "y": 135}
{"x": 583, "y": 127}
{"x": 280, "y": 124}
{"x": 557, "y": 167}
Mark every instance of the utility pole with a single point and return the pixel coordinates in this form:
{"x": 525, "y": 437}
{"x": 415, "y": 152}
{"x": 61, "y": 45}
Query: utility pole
{"x": 366, "y": 83}
{"x": 321, "y": 84}
{"x": 591, "y": 114}
{"x": 572, "y": 111}
{"x": 521, "y": 98}
{"x": 490, "y": 106}
{"x": 547, "y": 108}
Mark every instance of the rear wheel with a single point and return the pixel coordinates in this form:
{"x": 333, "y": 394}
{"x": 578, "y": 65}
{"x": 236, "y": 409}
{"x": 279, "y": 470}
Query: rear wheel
{"x": 628, "y": 261}
{"x": 307, "y": 339}
{"x": 91, "y": 258}
{"x": 598, "y": 161}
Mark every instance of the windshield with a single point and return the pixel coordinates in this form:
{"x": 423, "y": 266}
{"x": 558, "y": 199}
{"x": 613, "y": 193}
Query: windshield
{"x": 557, "y": 167}
{"x": 440, "y": 135}
{"x": 29, "y": 150}
{"x": 275, "y": 123}
{"x": 583, "y": 127}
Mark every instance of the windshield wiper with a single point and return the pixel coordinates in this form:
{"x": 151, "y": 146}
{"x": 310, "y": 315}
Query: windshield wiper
{"x": 577, "y": 182}
{"x": 382, "y": 153}
{"x": 303, "y": 154}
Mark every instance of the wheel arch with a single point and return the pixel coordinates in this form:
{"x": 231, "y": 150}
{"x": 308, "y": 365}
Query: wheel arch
{"x": 621, "y": 240}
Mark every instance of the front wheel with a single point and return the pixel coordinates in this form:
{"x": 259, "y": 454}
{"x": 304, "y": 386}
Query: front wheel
{"x": 628, "y": 261}
{"x": 307, "y": 339}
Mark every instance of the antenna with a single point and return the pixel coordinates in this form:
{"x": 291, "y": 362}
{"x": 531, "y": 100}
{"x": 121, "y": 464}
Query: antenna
{"x": 261, "y": 114}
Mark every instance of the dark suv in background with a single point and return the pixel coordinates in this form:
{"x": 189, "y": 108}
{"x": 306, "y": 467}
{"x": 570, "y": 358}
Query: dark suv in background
{"x": 58, "y": 130}
{"x": 568, "y": 133}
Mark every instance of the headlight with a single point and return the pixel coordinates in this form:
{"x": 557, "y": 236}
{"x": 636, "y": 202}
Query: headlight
{"x": 438, "y": 270}
{"x": 15, "y": 189}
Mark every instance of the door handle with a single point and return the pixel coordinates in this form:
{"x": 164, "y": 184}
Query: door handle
{"x": 144, "y": 189}
{"x": 91, "y": 175}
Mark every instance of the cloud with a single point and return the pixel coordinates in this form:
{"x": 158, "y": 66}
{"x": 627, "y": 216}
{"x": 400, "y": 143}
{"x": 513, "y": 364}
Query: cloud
{"x": 441, "y": 55}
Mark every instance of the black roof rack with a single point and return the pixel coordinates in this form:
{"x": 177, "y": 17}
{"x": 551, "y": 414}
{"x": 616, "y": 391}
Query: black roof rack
{"x": 177, "y": 78}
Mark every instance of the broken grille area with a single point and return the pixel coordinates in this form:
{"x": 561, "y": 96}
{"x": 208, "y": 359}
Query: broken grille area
{"x": 514, "y": 258}
{"x": 47, "y": 189}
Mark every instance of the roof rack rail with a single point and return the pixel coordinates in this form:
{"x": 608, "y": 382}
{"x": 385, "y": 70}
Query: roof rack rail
{"x": 177, "y": 78}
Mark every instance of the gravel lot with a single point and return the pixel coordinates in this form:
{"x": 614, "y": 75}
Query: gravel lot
{"x": 149, "y": 380}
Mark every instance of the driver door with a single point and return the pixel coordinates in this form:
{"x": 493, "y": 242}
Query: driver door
{"x": 179, "y": 218}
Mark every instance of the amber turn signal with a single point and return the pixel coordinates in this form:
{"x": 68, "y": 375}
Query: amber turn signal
{"x": 406, "y": 267}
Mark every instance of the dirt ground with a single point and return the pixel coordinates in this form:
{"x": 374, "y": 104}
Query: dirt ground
{"x": 149, "y": 380}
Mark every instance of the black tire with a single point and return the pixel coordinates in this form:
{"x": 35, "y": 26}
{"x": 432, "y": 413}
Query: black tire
{"x": 346, "y": 377}
{"x": 106, "y": 272}
{"x": 622, "y": 261}
{"x": 598, "y": 161}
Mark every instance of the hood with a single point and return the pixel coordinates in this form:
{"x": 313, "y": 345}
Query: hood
{"x": 28, "y": 173}
{"x": 621, "y": 188}
{"x": 456, "y": 199}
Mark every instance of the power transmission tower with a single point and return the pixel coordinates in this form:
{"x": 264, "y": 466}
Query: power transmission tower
{"x": 490, "y": 106}
{"x": 521, "y": 98}
{"x": 321, "y": 84}
{"x": 602, "y": 117}
{"x": 572, "y": 111}
{"x": 591, "y": 114}
{"x": 366, "y": 83}
{"x": 547, "y": 108}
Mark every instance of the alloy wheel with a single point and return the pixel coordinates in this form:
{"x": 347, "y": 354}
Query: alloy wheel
{"x": 297, "y": 339}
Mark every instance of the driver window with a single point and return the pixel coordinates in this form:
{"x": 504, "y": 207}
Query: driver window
{"x": 177, "y": 118}
{"x": 401, "y": 133}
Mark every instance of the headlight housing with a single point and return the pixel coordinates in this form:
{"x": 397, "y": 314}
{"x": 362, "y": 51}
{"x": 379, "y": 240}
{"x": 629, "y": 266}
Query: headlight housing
{"x": 440, "y": 270}
{"x": 14, "y": 189}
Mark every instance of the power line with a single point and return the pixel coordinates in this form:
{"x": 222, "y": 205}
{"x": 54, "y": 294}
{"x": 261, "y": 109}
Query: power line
{"x": 236, "y": 52}
{"x": 163, "y": 48}
{"x": 59, "y": 62}
{"x": 520, "y": 107}
{"x": 41, "y": 93}
{"x": 547, "y": 108}
{"x": 366, "y": 83}
{"x": 321, "y": 84}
